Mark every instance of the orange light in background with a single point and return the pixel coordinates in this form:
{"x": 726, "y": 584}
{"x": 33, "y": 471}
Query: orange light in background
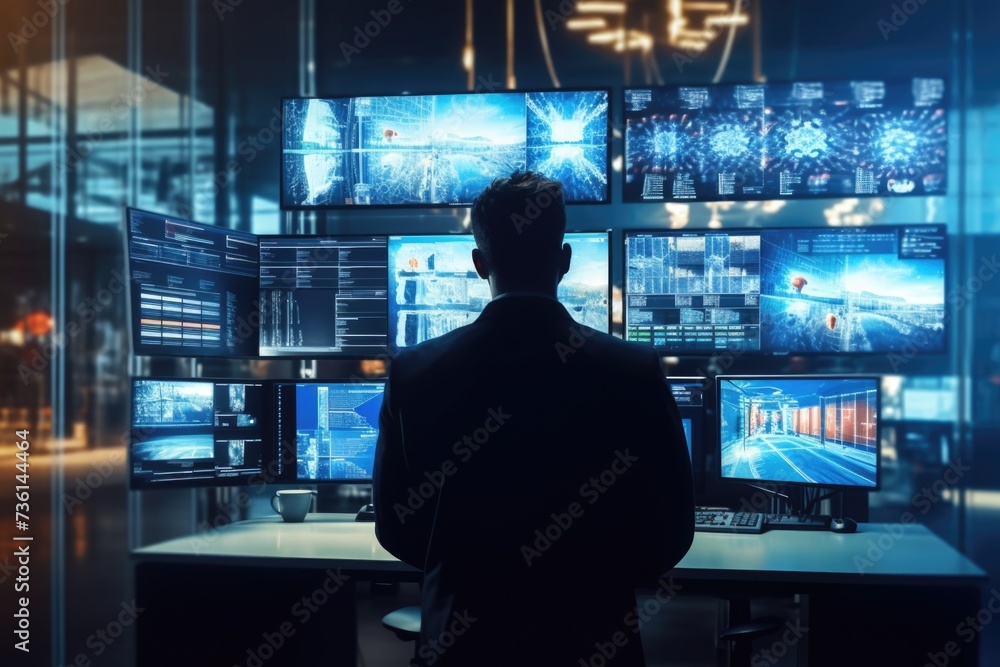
{"x": 38, "y": 323}
{"x": 374, "y": 367}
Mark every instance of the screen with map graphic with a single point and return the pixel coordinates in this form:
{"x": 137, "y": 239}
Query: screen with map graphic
{"x": 328, "y": 430}
{"x": 440, "y": 150}
{"x": 434, "y": 287}
{"x": 786, "y": 140}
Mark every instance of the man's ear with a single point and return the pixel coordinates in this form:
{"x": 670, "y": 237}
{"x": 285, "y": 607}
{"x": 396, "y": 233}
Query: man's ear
{"x": 565, "y": 257}
{"x": 479, "y": 260}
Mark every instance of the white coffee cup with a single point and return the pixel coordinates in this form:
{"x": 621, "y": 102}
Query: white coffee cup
{"x": 292, "y": 504}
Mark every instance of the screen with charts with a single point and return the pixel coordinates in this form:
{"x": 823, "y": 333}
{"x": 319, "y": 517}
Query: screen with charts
{"x": 197, "y": 432}
{"x": 800, "y": 430}
{"x": 193, "y": 287}
{"x": 328, "y": 430}
{"x": 434, "y": 287}
{"x": 787, "y": 291}
{"x": 323, "y": 296}
{"x": 786, "y": 140}
{"x": 440, "y": 150}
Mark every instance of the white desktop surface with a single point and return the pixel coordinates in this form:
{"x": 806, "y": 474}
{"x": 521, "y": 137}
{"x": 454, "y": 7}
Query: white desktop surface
{"x": 322, "y": 540}
{"x": 872, "y": 555}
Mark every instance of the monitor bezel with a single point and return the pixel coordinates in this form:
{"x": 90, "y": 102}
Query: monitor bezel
{"x": 269, "y": 453}
{"x": 134, "y": 345}
{"x": 663, "y": 351}
{"x": 282, "y": 205}
{"x": 825, "y": 376}
{"x": 395, "y": 349}
{"x": 945, "y": 103}
{"x": 288, "y": 455}
{"x": 345, "y": 356}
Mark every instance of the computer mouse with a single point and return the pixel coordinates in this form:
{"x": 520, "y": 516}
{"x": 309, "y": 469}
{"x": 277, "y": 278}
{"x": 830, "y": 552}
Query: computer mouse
{"x": 844, "y": 525}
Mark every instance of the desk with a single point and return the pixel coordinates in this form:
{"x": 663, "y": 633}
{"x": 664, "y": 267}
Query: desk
{"x": 886, "y": 595}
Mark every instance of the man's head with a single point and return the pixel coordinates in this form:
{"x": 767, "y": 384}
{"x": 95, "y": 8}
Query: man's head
{"x": 519, "y": 223}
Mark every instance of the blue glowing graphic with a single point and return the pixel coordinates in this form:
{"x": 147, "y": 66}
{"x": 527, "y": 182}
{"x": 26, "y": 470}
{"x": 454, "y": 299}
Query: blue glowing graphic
{"x": 568, "y": 141}
{"x": 430, "y": 150}
{"x": 804, "y": 139}
{"x": 730, "y": 141}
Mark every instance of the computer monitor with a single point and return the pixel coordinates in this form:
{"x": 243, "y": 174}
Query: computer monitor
{"x": 434, "y": 287}
{"x": 323, "y": 296}
{"x": 786, "y": 140}
{"x": 689, "y": 394}
{"x": 812, "y": 430}
{"x": 327, "y": 431}
{"x": 440, "y": 150}
{"x": 878, "y": 289}
{"x": 193, "y": 287}
{"x": 198, "y": 432}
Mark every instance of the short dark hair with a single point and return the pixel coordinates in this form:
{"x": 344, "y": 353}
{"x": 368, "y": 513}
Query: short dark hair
{"x": 519, "y": 222}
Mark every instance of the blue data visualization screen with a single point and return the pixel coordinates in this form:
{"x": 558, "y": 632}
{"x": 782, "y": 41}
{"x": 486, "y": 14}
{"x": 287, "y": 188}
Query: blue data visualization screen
{"x": 193, "y": 287}
{"x": 434, "y": 287}
{"x": 196, "y": 432}
{"x": 440, "y": 150}
{"x": 787, "y": 291}
{"x": 786, "y": 140}
{"x": 335, "y": 428}
{"x": 804, "y": 430}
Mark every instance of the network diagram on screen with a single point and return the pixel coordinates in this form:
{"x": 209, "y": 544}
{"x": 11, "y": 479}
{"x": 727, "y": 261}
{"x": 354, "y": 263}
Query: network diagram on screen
{"x": 426, "y": 150}
{"x": 774, "y": 141}
{"x": 434, "y": 287}
{"x": 804, "y": 430}
{"x": 777, "y": 291}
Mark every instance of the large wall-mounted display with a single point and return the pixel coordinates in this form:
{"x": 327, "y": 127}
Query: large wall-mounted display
{"x": 440, "y": 150}
{"x": 780, "y": 291}
{"x": 786, "y": 140}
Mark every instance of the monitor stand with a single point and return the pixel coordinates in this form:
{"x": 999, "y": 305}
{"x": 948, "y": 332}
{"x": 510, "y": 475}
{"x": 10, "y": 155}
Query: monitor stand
{"x": 340, "y": 499}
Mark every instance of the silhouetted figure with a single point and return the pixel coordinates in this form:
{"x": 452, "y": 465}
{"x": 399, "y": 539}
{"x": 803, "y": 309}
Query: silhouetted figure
{"x": 535, "y": 469}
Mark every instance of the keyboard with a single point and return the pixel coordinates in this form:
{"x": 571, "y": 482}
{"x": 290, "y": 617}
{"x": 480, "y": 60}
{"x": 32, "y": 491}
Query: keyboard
{"x": 726, "y": 521}
{"x": 796, "y": 522}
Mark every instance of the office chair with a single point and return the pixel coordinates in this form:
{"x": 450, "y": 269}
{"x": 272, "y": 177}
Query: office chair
{"x": 405, "y": 624}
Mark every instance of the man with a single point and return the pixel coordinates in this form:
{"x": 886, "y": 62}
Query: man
{"x": 534, "y": 468}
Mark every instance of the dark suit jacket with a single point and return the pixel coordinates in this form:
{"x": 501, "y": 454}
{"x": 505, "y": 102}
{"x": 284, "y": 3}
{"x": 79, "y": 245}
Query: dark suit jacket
{"x": 536, "y": 470}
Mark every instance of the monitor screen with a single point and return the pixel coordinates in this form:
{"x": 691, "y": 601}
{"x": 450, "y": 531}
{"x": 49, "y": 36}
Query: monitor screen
{"x": 440, "y": 150}
{"x": 786, "y": 140}
{"x": 689, "y": 394}
{"x": 193, "y": 287}
{"x": 787, "y": 291}
{"x": 799, "y": 430}
{"x": 328, "y": 430}
{"x": 323, "y": 296}
{"x": 197, "y": 432}
{"x": 434, "y": 287}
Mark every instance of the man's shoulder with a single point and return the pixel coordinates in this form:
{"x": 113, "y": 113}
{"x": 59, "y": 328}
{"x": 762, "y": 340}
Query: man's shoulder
{"x": 431, "y": 353}
{"x": 592, "y": 346}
